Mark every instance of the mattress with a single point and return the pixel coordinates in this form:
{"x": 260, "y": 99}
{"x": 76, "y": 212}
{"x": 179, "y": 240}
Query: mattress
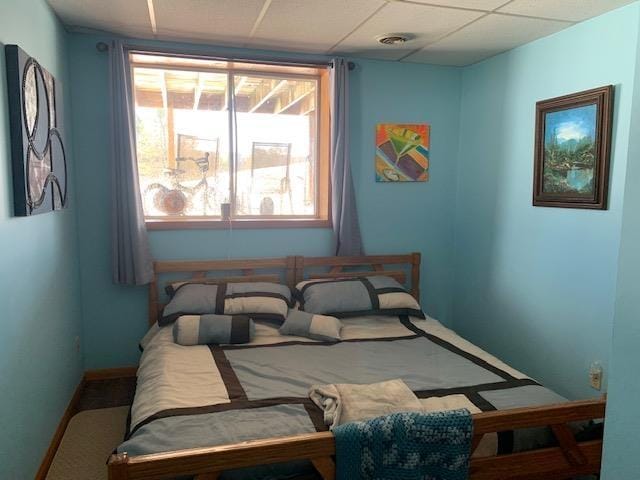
{"x": 200, "y": 396}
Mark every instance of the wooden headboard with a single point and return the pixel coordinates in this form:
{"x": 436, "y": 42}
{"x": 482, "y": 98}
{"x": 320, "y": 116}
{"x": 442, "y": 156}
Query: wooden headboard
{"x": 289, "y": 270}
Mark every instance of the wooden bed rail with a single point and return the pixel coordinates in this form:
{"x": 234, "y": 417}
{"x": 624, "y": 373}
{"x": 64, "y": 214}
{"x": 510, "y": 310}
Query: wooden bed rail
{"x": 569, "y": 458}
{"x": 200, "y": 461}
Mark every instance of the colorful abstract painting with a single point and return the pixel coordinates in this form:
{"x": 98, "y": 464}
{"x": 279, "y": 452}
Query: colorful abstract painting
{"x": 402, "y": 152}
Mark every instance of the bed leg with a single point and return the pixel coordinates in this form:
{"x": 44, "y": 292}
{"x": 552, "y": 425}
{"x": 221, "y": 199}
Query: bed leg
{"x": 325, "y": 467}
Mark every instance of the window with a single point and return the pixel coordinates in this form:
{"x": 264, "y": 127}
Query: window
{"x": 211, "y": 132}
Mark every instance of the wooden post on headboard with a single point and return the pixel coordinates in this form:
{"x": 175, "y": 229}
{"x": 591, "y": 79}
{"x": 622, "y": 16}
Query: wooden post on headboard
{"x": 299, "y": 270}
{"x": 415, "y": 275}
{"x": 291, "y": 272}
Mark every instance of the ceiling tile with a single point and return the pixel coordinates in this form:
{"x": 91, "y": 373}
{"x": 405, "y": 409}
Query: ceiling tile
{"x": 488, "y": 36}
{"x": 573, "y": 10}
{"x": 486, "y": 5}
{"x": 424, "y": 23}
{"x": 125, "y": 17}
{"x": 318, "y": 25}
{"x": 311, "y": 25}
{"x": 227, "y": 22}
{"x": 451, "y": 55}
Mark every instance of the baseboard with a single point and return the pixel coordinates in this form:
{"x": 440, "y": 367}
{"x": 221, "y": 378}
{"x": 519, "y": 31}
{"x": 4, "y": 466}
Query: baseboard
{"x": 58, "y": 434}
{"x": 108, "y": 373}
{"x": 72, "y": 408}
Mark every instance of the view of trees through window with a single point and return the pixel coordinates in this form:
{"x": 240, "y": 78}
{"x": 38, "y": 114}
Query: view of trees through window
{"x": 209, "y": 134}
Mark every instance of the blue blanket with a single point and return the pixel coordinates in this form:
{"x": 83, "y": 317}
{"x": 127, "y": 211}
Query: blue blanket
{"x": 405, "y": 446}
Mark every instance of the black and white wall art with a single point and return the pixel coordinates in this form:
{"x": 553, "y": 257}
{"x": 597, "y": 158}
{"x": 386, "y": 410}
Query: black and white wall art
{"x": 37, "y": 136}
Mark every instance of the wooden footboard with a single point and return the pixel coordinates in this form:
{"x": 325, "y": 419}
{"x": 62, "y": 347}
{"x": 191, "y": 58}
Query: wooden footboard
{"x": 567, "y": 459}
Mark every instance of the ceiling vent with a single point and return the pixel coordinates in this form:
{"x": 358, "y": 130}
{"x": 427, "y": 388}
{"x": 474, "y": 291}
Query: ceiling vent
{"x": 393, "y": 38}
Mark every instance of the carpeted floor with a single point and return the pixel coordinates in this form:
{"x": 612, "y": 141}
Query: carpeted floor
{"x": 89, "y": 439}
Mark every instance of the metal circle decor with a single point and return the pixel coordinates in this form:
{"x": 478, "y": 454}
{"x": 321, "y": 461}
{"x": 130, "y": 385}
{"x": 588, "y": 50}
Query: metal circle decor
{"x": 62, "y": 191}
{"x": 39, "y": 162}
{"x": 38, "y": 153}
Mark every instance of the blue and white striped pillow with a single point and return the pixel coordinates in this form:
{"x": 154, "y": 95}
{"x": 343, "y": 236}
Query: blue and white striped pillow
{"x": 259, "y": 300}
{"x": 352, "y": 297}
{"x": 213, "y": 329}
{"x": 316, "y": 327}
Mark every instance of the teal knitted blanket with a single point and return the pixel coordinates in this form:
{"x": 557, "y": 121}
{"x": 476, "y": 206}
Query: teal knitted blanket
{"x": 405, "y": 446}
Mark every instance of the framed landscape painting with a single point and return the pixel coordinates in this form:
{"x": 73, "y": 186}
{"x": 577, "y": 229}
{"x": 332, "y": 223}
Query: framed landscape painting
{"x": 402, "y": 152}
{"x": 573, "y": 143}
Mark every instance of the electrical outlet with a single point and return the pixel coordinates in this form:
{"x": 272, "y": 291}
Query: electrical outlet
{"x": 77, "y": 344}
{"x": 595, "y": 375}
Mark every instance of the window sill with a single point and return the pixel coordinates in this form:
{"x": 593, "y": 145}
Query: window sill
{"x": 236, "y": 224}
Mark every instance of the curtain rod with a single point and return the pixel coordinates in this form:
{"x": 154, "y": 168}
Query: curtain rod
{"x": 104, "y": 47}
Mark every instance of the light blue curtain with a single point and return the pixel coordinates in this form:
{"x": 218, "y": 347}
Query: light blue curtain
{"x": 131, "y": 259}
{"x": 346, "y": 230}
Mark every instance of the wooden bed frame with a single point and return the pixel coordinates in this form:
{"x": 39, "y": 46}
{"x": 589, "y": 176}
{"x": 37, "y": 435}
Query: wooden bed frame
{"x": 567, "y": 459}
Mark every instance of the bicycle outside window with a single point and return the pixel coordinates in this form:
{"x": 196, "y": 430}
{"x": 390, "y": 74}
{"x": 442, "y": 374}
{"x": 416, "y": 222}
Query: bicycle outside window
{"x": 211, "y": 132}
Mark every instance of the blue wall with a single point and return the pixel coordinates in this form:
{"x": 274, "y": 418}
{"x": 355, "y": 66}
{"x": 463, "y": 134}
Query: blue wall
{"x": 39, "y": 366}
{"x": 535, "y": 285}
{"x": 495, "y": 268}
{"x": 394, "y": 218}
{"x": 623, "y": 422}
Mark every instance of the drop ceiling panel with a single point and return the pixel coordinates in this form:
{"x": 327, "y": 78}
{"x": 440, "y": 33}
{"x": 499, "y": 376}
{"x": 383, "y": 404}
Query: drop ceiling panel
{"x": 311, "y": 25}
{"x": 573, "y": 10}
{"x": 124, "y": 17}
{"x": 451, "y": 55}
{"x": 488, "y": 36}
{"x": 486, "y": 5}
{"x": 227, "y": 22}
{"x": 425, "y": 24}
{"x": 449, "y": 32}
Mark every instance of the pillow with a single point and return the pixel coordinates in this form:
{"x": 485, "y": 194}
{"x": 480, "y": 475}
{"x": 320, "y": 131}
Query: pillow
{"x": 213, "y": 329}
{"x": 316, "y": 327}
{"x": 351, "y": 297}
{"x": 259, "y": 300}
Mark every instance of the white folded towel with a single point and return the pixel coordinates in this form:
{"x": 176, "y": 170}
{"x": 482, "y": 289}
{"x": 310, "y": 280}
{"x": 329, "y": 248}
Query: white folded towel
{"x": 344, "y": 403}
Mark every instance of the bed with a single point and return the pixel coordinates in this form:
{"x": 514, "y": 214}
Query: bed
{"x": 242, "y": 411}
